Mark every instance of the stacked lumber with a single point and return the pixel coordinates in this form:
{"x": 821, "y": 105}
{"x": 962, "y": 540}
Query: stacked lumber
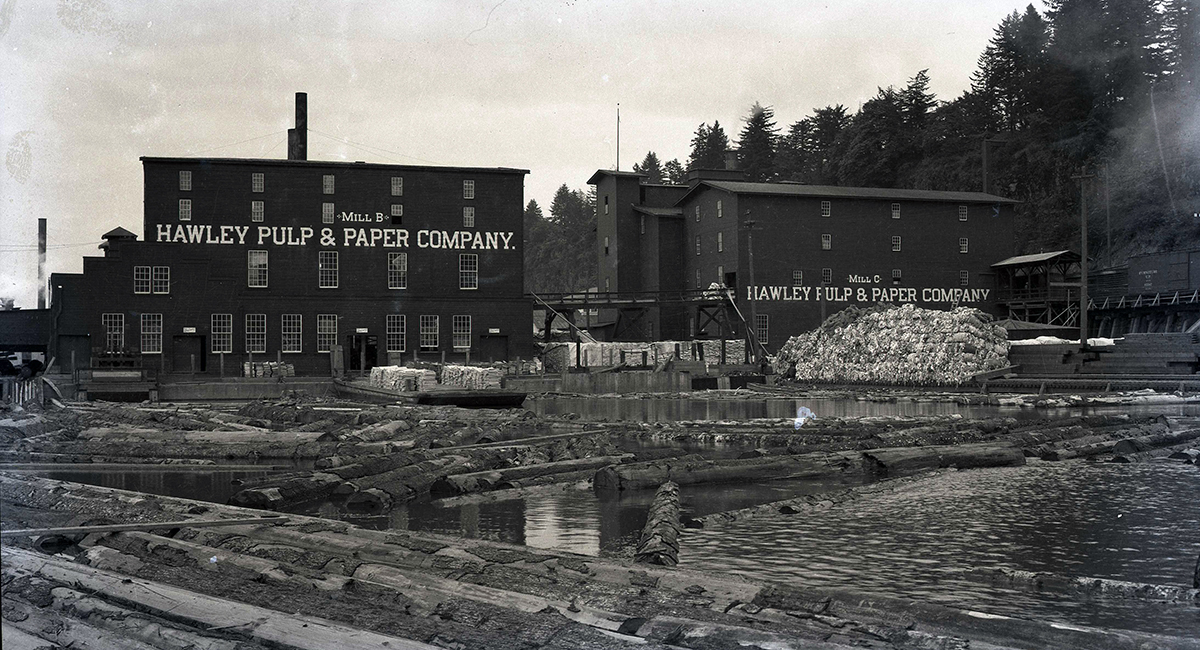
{"x": 401, "y": 378}
{"x": 659, "y": 543}
{"x": 471, "y": 376}
{"x": 608, "y": 353}
{"x": 897, "y": 346}
{"x": 268, "y": 369}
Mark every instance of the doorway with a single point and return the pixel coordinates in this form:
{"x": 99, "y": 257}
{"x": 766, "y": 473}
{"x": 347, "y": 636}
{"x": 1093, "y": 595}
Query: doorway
{"x": 187, "y": 354}
{"x": 361, "y": 353}
{"x": 493, "y": 347}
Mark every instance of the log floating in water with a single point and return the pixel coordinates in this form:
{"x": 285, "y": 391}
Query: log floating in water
{"x": 659, "y": 543}
{"x": 457, "y": 484}
{"x": 693, "y": 469}
{"x": 239, "y": 436}
{"x": 1085, "y": 587}
{"x": 268, "y": 627}
{"x": 1155, "y": 441}
{"x": 114, "y": 528}
{"x": 906, "y": 461}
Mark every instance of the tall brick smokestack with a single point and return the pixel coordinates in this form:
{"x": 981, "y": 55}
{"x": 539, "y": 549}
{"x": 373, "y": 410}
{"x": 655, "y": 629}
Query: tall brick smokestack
{"x": 41, "y": 294}
{"x": 298, "y": 137}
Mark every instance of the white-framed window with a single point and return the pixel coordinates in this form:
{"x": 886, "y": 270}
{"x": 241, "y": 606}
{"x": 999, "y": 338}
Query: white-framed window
{"x": 895, "y": 210}
{"x": 256, "y": 211}
{"x": 221, "y": 328}
{"x": 962, "y": 213}
{"x": 642, "y": 223}
{"x": 720, "y": 209}
{"x": 397, "y": 270}
{"x": 114, "y": 331}
{"x": 797, "y": 278}
{"x": 397, "y": 214}
{"x": 185, "y": 181}
{"x": 468, "y": 189}
{"x": 257, "y": 182}
{"x": 256, "y": 269}
{"x": 468, "y": 271}
{"x": 326, "y": 332}
{"x": 152, "y": 333}
{"x": 963, "y": 277}
{"x": 326, "y": 213}
{"x": 896, "y": 276}
{"x": 826, "y": 242}
{"x": 141, "y": 279}
{"x": 469, "y": 216}
{"x": 161, "y": 280}
{"x": 720, "y": 242}
{"x": 697, "y": 244}
{"x": 291, "y": 333}
{"x": 397, "y": 330}
{"x": 698, "y": 286}
{"x": 397, "y": 186}
{"x": 826, "y": 208}
{"x": 721, "y": 273}
{"x": 327, "y": 184}
{"x": 962, "y": 245}
{"x": 826, "y": 275}
{"x": 429, "y": 332}
{"x": 185, "y": 209}
{"x": 327, "y": 269}
{"x": 606, "y": 245}
{"x": 461, "y": 329}
{"x": 605, "y": 204}
{"x": 606, "y": 285}
{"x": 895, "y": 243}
{"x": 256, "y": 333}
{"x": 697, "y": 214}
{"x": 762, "y": 327}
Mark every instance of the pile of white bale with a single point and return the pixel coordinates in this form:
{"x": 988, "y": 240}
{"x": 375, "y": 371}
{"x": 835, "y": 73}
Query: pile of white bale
{"x": 267, "y": 369}
{"x": 608, "y": 353}
{"x": 401, "y": 378}
{"x": 897, "y": 346}
{"x": 472, "y": 376}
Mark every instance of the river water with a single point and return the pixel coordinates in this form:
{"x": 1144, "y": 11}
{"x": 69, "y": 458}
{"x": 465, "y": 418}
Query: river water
{"x": 654, "y": 409}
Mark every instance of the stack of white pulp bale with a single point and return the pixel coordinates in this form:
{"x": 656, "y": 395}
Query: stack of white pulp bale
{"x": 608, "y": 353}
{"x": 401, "y": 378}
{"x": 897, "y": 346}
{"x": 471, "y": 376}
{"x": 268, "y": 369}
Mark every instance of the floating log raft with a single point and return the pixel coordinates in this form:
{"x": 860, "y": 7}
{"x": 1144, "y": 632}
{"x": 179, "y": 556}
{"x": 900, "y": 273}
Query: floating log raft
{"x": 1086, "y": 588}
{"x": 693, "y": 469}
{"x": 907, "y": 461}
{"x": 659, "y": 543}
{"x": 458, "y": 484}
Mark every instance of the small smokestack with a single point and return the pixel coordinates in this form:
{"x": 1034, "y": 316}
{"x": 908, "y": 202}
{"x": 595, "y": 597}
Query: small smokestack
{"x": 301, "y": 147}
{"x": 731, "y": 160}
{"x": 42, "y": 263}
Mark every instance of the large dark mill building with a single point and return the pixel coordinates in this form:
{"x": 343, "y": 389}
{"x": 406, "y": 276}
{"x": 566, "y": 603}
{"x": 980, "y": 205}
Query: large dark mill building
{"x": 246, "y": 259}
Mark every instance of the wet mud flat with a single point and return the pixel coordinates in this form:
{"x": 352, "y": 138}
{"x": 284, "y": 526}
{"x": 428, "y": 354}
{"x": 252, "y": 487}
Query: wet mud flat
{"x": 307, "y": 582}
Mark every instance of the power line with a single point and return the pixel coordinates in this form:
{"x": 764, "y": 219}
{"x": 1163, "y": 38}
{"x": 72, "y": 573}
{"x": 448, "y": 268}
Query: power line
{"x": 368, "y": 148}
{"x": 234, "y": 144}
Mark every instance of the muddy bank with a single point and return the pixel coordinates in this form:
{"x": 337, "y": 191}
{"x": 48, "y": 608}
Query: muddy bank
{"x": 349, "y": 584}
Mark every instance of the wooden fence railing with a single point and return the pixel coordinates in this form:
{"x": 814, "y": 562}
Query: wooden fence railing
{"x": 14, "y": 390}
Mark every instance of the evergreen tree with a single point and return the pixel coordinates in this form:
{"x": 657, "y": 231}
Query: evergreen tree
{"x": 651, "y": 168}
{"x": 674, "y": 172}
{"x": 792, "y": 154}
{"x": 709, "y": 146}
{"x": 756, "y": 144}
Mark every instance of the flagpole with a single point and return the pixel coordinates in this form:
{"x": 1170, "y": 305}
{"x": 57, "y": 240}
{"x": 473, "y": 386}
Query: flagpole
{"x": 618, "y": 136}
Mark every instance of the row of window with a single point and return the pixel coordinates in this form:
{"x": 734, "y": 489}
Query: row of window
{"x": 328, "y": 274}
{"x": 291, "y": 332}
{"x": 826, "y": 243}
{"x": 258, "y": 182}
{"x": 826, "y": 277}
{"x": 826, "y": 211}
{"x": 258, "y": 213}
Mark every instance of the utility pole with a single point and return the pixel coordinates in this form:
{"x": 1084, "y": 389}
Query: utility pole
{"x": 752, "y": 326}
{"x": 1083, "y": 178}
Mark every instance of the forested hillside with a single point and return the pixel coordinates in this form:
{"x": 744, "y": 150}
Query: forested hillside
{"x": 1109, "y": 86}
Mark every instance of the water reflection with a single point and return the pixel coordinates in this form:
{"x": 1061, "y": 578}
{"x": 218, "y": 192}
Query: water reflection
{"x": 1134, "y": 522}
{"x": 651, "y": 409}
{"x": 199, "y": 482}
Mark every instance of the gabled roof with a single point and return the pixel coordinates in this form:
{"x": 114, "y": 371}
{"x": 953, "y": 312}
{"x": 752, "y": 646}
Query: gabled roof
{"x": 612, "y": 172}
{"x": 1022, "y": 260}
{"x": 118, "y": 233}
{"x": 837, "y": 192}
{"x": 659, "y": 212}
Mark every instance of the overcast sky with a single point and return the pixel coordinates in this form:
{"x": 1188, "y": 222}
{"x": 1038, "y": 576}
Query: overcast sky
{"x": 88, "y": 86}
